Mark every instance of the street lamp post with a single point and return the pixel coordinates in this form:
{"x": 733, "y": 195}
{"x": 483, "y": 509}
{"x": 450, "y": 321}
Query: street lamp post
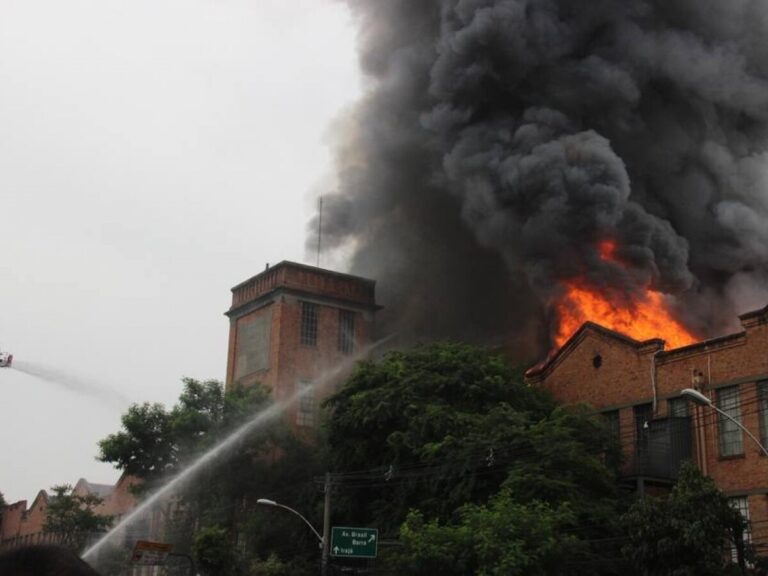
{"x": 266, "y": 502}
{"x": 702, "y": 400}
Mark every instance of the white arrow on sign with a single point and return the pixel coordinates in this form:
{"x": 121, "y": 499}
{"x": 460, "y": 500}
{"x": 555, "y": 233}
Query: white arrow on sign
{"x": 335, "y": 549}
{"x": 372, "y": 538}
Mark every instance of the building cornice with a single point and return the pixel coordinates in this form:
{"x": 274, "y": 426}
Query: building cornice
{"x": 306, "y": 268}
{"x": 269, "y": 297}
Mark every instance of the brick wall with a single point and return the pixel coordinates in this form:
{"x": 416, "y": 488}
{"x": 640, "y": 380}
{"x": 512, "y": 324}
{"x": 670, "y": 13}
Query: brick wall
{"x": 275, "y": 298}
{"x": 613, "y": 372}
{"x": 297, "y": 362}
{"x": 22, "y": 525}
{"x": 308, "y": 279}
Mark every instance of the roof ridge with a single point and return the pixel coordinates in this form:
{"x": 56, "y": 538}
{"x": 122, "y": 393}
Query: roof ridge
{"x": 555, "y": 354}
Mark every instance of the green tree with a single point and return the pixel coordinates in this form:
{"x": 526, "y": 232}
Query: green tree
{"x": 504, "y": 538}
{"x": 686, "y": 533}
{"x": 145, "y": 447}
{"x": 71, "y": 517}
{"x": 214, "y": 551}
{"x": 428, "y": 412}
{"x": 272, "y": 566}
{"x": 155, "y": 443}
{"x": 456, "y": 435}
{"x": 556, "y": 512}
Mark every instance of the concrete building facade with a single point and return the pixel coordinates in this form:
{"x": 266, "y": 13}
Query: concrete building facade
{"x": 637, "y": 387}
{"x": 293, "y": 323}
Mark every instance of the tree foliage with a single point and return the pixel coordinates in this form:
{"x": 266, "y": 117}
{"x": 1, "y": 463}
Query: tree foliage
{"x": 155, "y": 442}
{"x": 461, "y": 442}
{"x": 443, "y": 448}
{"x": 214, "y": 551}
{"x": 503, "y": 538}
{"x": 145, "y": 446}
{"x": 272, "y": 566}
{"x": 443, "y": 411}
{"x": 686, "y": 533}
{"x": 220, "y": 502}
{"x": 71, "y": 517}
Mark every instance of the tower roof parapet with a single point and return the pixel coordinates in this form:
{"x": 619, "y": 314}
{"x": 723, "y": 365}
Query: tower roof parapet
{"x": 306, "y": 280}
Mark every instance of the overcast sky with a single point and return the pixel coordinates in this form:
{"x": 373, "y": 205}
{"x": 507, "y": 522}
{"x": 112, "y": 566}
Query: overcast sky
{"x": 153, "y": 154}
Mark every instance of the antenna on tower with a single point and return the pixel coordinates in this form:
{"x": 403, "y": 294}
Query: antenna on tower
{"x": 319, "y": 229}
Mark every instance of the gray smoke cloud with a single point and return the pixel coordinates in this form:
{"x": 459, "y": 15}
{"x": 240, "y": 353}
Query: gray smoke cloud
{"x": 104, "y": 394}
{"x": 500, "y": 141}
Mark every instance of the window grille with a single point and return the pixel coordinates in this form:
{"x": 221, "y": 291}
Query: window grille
{"x": 731, "y": 438}
{"x": 346, "y": 331}
{"x": 741, "y": 503}
{"x": 762, "y": 393}
{"x": 678, "y": 407}
{"x": 309, "y": 324}
{"x": 305, "y": 415}
{"x": 612, "y": 423}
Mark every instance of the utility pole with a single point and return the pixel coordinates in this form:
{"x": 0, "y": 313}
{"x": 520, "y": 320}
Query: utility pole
{"x": 326, "y": 525}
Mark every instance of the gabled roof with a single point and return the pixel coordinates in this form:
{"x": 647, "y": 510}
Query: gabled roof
{"x": 41, "y": 495}
{"x": 125, "y": 477}
{"x": 748, "y": 320}
{"x": 555, "y": 357}
{"x": 100, "y": 490}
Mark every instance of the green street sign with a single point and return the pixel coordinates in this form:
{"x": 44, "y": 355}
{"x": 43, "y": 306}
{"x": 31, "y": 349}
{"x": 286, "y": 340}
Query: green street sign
{"x": 354, "y": 542}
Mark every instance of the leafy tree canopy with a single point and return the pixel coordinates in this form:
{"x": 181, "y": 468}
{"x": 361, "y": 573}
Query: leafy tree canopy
{"x": 504, "y": 538}
{"x": 408, "y": 400}
{"x": 71, "y": 517}
{"x": 272, "y": 566}
{"x": 449, "y": 424}
{"x": 219, "y": 505}
{"x": 213, "y": 551}
{"x": 145, "y": 447}
{"x": 154, "y": 441}
{"x": 687, "y": 532}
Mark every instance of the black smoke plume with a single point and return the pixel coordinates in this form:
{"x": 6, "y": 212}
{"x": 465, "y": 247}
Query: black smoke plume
{"x": 500, "y": 141}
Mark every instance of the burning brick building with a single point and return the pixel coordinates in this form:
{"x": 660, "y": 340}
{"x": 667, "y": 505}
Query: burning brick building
{"x": 291, "y": 323}
{"x": 637, "y": 384}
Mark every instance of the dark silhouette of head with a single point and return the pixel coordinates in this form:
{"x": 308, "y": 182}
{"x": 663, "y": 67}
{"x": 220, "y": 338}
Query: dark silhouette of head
{"x": 43, "y": 561}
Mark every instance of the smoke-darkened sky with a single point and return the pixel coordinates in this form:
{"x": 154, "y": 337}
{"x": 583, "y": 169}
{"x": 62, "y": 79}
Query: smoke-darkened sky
{"x": 501, "y": 140}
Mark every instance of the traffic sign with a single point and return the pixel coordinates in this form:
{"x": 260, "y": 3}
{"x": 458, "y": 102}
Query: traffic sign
{"x": 354, "y": 542}
{"x": 147, "y": 553}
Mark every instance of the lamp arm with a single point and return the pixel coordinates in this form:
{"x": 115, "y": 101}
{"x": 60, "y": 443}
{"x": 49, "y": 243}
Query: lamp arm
{"x": 740, "y": 425}
{"x": 302, "y": 517}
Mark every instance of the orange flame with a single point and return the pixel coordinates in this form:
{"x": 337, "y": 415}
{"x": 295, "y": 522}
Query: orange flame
{"x": 646, "y": 317}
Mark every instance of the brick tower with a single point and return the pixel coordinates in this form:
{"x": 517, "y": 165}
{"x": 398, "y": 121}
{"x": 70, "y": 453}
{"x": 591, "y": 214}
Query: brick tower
{"x": 291, "y": 323}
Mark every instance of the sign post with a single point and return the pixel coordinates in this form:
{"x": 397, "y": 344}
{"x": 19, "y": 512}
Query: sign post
{"x": 349, "y": 542}
{"x": 146, "y": 553}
